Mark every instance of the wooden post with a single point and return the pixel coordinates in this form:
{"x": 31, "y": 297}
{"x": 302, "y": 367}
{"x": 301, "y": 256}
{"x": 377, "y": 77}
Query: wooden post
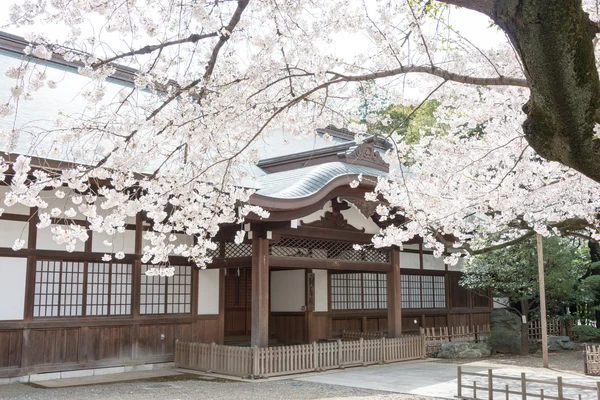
{"x": 585, "y": 366}
{"x": 339, "y": 342}
{"x": 394, "y": 305}
{"x": 540, "y": 251}
{"x": 507, "y": 393}
{"x": 598, "y": 389}
{"x": 490, "y": 385}
{"x": 523, "y": 386}
{"x": 361, "y": 344}
{"x": 255, "y": 362}
{"x": 316, "y": 356}
{"x": 260, "y": 292}
{"x": 459, "y": 381}
{"x": 560, "y": 387}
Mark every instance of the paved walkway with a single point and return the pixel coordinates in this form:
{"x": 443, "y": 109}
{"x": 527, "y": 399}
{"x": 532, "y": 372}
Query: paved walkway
{"x": 436, "y": 379}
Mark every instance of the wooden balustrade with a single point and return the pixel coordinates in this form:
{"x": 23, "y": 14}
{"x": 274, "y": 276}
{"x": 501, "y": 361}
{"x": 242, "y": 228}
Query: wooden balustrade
{"x": 284, "y": 360}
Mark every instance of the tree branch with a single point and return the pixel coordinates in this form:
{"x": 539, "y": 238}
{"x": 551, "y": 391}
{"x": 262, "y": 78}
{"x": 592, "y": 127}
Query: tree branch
{"x": 483, "y": 6}
{"x": 435, "y": 71}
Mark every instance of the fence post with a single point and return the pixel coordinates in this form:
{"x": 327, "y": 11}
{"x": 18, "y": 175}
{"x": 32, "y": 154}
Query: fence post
{"x": 507, "y": 393}
{"x": 560, "y": 388}
{"x": 523, "y": 386}
{"x": 255, "y": 362}
{"x": 585, "y": 366}
{"x": 598, "y": 390}
{"x": 490, "y": 385}
{"x": 362, "y": 351}
{"x": 213, "y": 357}
{"x": 339, "y": 353}
{"x": 459, "y": 382}
{"x": 316, "y": 356}
{"x": 383, "y": 350}
{"x": 424, "y": 355}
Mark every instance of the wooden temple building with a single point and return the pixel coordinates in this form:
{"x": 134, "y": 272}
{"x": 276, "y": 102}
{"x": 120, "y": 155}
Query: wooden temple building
{"x": 295, "y": 279}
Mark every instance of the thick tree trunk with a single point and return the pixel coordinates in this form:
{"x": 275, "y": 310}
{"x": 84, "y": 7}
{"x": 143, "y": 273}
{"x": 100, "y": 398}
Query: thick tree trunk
{"x": 554, "y": 41}
{"x": 595, "y": 257}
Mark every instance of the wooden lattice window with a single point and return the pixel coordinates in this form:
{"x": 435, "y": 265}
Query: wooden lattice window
{"x": 410, "y": 291}
{"x": 58, "y": 289}
{"x": 108, "y": 289}
{"x": 167, "y": 295}
{"x": 358, "y": 291}
{"x": 423, "y": 291}
{"x": 75, "y": 289}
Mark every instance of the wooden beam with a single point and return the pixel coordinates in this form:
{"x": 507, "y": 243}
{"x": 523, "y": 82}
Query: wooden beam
{"x": 394, "y": 301}
{"x": 260, "y": 293}
{"x": 316, "y": 263}
{"x": 221, "y": 315}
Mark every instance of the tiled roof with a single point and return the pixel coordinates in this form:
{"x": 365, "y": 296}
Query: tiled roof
{"x": 303, "y": 182}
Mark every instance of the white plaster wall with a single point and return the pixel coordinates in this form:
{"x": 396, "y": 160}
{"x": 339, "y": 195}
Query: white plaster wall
{"x": 431, "y": 262}
{"x": 410, "y": 246}
{"x": 62, "y": 204}
{"x": 357, "y": 220}
{"x": 316, "y": 216}
{"x": 208, "y": 291}
{"x": 320, "y": 289}
{"x": 45, "y": 241}
{"x": 460, "y": 265}
{"x": 409, "y": 260}
{"x": 287, "y": 290}
{"x": 12, "y": 230}
{"x": 15, "y": 209}
{"x": 124, "y": 242}
{"x": 12, "y": 287}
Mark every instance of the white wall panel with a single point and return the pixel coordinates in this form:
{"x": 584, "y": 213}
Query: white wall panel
{"x": 431, "y": 262}
{"x": 358, "y": 220}
{"x": 321, "y": 289}
{"x": 12, "y": 287}
{"x": 124, "y": 242}
{"x": 45, "y": 241}
{"x": 287, "y": 290}
{"x": 208, "y": 291}
{"x": 12, "y": 230}
{"x": 409, "y": 260}
{"x": 15, "y": 209}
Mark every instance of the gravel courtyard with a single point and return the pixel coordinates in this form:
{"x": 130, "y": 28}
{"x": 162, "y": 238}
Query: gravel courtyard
{"x": 189, "y": 387}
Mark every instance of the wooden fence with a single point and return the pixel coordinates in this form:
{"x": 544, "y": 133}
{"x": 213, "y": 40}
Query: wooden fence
{"x": 523, "y": 387}
{"x": 591, "y": 360}
{"x": 258, "y": 362}
{"x": 555, "y": 328}
{"x": 355, "y": 335}
{"x": 436, "y": 337}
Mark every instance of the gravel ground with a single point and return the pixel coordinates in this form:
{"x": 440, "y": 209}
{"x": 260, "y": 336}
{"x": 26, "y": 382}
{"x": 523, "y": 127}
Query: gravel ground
{"x": 566, "y": 360}
{"x": 190, "y": 387}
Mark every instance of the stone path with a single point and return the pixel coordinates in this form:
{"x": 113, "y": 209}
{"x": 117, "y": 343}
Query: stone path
{"x": 430, "y": 378}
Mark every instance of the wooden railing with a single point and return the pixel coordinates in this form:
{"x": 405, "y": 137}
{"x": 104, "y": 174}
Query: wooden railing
{"x": 284, "y": 360}
{"x": 525, "y": 388}
{"x": 436, "y": 337}
{"x": 591, "y": 360}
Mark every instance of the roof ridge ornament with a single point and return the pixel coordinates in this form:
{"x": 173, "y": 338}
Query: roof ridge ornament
{"x": 365, "y": 154}
{"x": 333, "y": 220}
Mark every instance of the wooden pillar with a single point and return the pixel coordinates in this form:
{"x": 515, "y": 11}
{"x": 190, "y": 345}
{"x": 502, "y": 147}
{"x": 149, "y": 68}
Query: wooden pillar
{"x": 394, "y": 304}
{"x": 221, "y": 317}
{"x": 260, "y": 292}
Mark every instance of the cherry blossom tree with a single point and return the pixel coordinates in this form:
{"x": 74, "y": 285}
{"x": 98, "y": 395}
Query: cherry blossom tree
{"x": 207, "y": 78}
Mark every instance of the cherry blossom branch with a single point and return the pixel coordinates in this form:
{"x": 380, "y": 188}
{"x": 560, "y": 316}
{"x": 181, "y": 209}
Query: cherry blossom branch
{"x": 194, "y": 38}
{"x": 435, "y": 71}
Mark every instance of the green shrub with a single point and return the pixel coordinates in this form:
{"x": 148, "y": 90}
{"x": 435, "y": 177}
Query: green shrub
{"x": 585, "y": 333}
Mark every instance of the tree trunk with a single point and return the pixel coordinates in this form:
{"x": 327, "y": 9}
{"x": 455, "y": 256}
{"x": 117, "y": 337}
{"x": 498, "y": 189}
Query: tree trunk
{"x": 553, "y": 38}
{"x": 525, "y": 327}
{"x": 595, "y": 257}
